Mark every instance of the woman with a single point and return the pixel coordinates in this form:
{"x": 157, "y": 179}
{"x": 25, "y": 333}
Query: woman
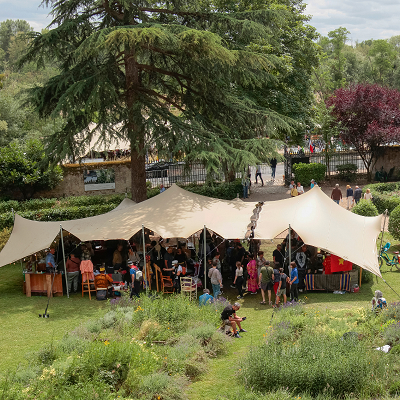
{"x": 300, "y": 189}
{"x": 252, "y": 285}
{"x": 294, "y": 192}
{"x": 239, "y": 279}
{"x": 368, "y": 195}
{"x": 350, "y": 198}
{"x": 133, "y": 255}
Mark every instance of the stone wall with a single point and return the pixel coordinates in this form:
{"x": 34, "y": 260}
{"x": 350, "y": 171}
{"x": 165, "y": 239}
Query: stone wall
{"x": 73, "y": 185}
{"x": 389, "y": 158}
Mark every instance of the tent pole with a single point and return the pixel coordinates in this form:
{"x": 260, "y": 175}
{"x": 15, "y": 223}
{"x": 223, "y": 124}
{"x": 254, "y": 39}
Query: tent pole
{"x": 383, "y": 231}
{"x": 63, "y": 253}
{"x": 205, "y": 257}
{"x": 144, "y": 260}
{"x": 290, "y": 247}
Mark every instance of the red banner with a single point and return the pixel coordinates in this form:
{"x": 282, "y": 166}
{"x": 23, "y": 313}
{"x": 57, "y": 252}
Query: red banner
{"x": 336, "y": 264}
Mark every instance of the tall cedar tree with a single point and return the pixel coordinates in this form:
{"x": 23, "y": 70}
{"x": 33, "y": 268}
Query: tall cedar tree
{"x": 201, "y": 77}
{"x": 369, "y": 118}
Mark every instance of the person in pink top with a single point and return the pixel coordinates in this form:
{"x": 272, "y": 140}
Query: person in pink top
{"x": 252, "y": 284}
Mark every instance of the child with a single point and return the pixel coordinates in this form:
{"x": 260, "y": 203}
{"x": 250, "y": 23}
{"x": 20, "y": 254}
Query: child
{"x": 282, "y": 287}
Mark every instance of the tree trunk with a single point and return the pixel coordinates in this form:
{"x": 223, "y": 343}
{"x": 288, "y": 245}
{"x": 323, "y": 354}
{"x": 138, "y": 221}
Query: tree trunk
{"x": 135, "y": 129}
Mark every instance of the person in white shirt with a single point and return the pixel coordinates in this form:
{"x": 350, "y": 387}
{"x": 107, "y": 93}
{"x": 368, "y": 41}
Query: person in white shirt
{"x": 258, "y": 174}
{"x": 368, "y": 195}
{"x": 300, "y": 189}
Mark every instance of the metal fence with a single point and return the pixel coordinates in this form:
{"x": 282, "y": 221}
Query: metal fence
{"x": 334, "y": 159}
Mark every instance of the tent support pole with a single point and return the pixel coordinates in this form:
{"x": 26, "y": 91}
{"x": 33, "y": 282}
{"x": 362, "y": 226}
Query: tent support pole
{"x": 144, "y": 261}
{"x": 383, "y": 231}
{"x": 360, "y": 277}
{"x": 290, "y": 247}
{"x": 205, "y": 257}
{"x": 63, "y": 254}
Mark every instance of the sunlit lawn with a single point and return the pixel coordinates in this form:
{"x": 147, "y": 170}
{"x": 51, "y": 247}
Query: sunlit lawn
{"x": 22, "y": 331}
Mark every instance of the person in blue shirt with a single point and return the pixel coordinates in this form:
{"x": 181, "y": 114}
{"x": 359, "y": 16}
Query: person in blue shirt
{"x": 205, "y": 298}
{"x": 50, "y": 261}
{"x": 294, "y": 282}
{"x": 312, "y": 183}
{"x": 136, "y": 284}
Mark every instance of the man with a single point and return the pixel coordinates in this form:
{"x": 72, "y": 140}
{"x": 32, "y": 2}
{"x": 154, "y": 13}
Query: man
{"x": 278, "y": 256}
{"x": 246, "y": 184}
{"x": 216, "y": 279}
{"x": 258, "y": 174}
{"x": 103, "y": 281}
{"x": 261, "y": 261}
{"x": 273, "y": 168}
{"x": 302, "y": 258}
{"x": 357, "y": 194}
{"x": 282, "y": 287}
{"x": 72, "y": 267}
{"x": 168, "y": 258}
{"x": 217, "y": 260}
{"x": 50, "y": 261}
{"x": 230, "y": 318}
{"x": 336, "y": 195}
{"x": 180, "y": 256}
{"x": 294, "y": 282}
{"x": 266, "y": 281}
{"x": 136, "y": 283}
{"x": 205, "y": 298}
{"x": 117, "y": 257}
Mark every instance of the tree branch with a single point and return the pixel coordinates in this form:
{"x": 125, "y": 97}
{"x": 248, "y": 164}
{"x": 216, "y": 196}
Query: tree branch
{"x": 163, "y": 71}
{"x": 110, "y": 11}
{"x": 166, "y": 11}
{"x": 165, "y": 98}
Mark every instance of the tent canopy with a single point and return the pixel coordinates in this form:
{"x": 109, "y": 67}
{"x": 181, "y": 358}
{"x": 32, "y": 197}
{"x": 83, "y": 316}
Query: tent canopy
{"x": 173, "y": 213}
{"x": 322, "y": 223}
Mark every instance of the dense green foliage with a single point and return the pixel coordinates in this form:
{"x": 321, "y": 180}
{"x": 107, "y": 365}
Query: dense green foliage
{"x": 202, "y": 78}
{"x": 366, "y": 208}
{"x": 335, "y": 362}
{"x": 386, "y": 196}
{"x": 347, "y": 172}
{"x": 303, "y": 173}
{"x": 144, "y": 349}
{"x": 24, "y": 169}
{"x": 225, "y": 191}
{"x": 394, "y": 223}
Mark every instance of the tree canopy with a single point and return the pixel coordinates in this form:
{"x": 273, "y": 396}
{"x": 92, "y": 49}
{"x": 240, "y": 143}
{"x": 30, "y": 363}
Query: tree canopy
{"x": 368, "y": 117}
{"x": 205, "y": 78}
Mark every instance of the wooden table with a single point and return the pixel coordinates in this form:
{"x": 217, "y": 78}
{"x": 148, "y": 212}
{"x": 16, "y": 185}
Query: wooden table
{"x": 41, "y": 283}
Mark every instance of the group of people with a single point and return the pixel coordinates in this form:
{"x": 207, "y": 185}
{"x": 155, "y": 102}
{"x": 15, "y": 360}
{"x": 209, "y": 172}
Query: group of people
{"x": 296, "y": 190}
{"x": 352, "y": 196}
{"x": 246, "y": 180}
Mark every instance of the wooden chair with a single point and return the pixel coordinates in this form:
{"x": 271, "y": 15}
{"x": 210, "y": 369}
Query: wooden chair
{"x": 163, "y": 282}
{"x": 188, "y": 286}
{"x": 87, "y": 286}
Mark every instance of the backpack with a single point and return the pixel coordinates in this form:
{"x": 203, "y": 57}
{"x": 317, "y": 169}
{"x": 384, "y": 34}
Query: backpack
{"x": 139, "y": 275}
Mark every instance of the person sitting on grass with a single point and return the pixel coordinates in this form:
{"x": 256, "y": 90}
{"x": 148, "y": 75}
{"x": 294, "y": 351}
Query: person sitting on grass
{"x": 230, "y": 318}
{"x": 378, "y": 301}
{"x": 205, "y": 298}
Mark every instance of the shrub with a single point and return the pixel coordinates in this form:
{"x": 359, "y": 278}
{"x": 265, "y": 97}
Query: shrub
{"x": 4, "y": 236}
{"x": 347, "y": 172}
{"x": 391, "y": 334}
{"x": 394, "y": 389}
{"x": 323, "y": 364}
{"x": 303, "y": 173}
{"x": 385, "y": 195}
{"x": 365, "y": 208}
{"x": 223, "y": 190}
{"x": 394, "y": 223}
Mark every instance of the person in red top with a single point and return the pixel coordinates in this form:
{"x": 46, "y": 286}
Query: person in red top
{"x": 72, "y": 266}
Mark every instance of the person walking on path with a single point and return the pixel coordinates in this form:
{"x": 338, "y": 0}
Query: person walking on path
{"x": 246, "y": 185}
{"x": 273, "y": 163}
{"x": 357, "y": 194}
{"x": 239, "y": 279}
{"x": 258, "y": 174}
{"x": 294, "y": 282}
{"x": 252, "y": 285}
{"x": 350, "y": 199}
{"x": 216, "y": 279}
{"x": 368, "y": 195}
{"x": 336, "y": 195}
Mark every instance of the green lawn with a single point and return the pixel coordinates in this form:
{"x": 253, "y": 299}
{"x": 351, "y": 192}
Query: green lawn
{"x": 22, "y": 331}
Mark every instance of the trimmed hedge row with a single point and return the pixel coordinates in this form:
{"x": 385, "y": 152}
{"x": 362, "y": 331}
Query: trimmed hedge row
{"x": 224, "y": 191}
{"x": 57, "y": 214}
{"x": 67, "y": 202}
{"x": 385, "y": 195}
{"x": 303, "y": 173}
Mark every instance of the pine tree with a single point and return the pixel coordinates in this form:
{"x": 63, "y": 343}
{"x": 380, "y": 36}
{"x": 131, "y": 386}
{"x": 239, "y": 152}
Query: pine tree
{"x": 205, "y": 78}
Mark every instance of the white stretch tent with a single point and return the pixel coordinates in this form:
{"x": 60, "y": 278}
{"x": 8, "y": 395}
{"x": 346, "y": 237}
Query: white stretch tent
{"x": 322, "y": 223}
{"x": 173, "y": 213}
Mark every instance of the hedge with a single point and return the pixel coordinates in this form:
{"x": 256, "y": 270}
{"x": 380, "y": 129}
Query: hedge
{"x": 394, "y": 223}
{"x": 365, "y": 208}
{"x": 303, "y": 173}
{"x": 385, "y": 195}
{"x": 223, "y": 190}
